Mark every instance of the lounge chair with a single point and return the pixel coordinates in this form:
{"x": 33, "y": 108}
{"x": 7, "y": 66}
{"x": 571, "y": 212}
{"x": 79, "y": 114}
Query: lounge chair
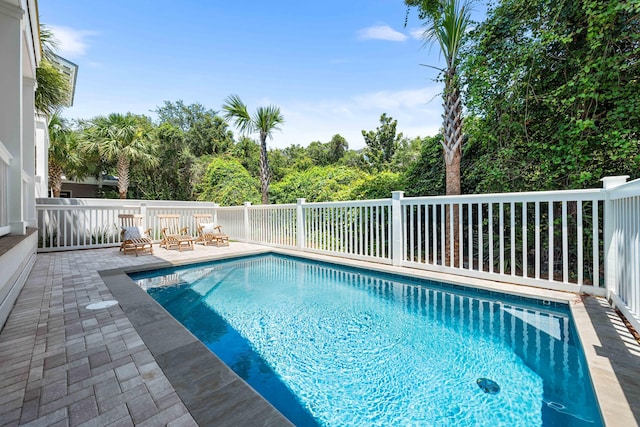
{"x": 209, "y": 232}
{"x": 174, "y": 236}
{"x": 133, "y": 236}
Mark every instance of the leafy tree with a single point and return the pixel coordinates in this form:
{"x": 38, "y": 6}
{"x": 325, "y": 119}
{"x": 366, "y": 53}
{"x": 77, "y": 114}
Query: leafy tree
{"x": 406, "y": 154}
{"x": 264, "y": 121}
{"x": 297, "y": 157}
{"x": 175, "y": 179}
{"x": 247, "y": 152}
{"x": 317, "y": 184}
{"x": 228, "y": 183}
{"x": 338, "y": 146}
{"x": 378, "y": 186}
{"x": 120, "y": 138}
{"x": 318, "y": 153}
{"x": 63, "y": 152}
{"x": 329, "y": 153}
{"x": 354, "y": 159}
{"x": 278, "y": 165}
{"x": 204, "y": 131}
{"x": 382, "y": 143}
{"x": 425, "y": 176}
{"x": 555, "y": 87}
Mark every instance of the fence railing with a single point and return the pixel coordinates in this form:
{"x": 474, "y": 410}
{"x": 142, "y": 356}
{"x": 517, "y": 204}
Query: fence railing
{"x": 578, "y": 240}
{"x": 525, "y": 238}
{"x": 622, "y": 246}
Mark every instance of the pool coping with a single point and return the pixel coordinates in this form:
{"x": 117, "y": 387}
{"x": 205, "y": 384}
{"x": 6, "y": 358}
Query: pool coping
{"x": 202, "y": 376}
{"x": 198, "y": 376}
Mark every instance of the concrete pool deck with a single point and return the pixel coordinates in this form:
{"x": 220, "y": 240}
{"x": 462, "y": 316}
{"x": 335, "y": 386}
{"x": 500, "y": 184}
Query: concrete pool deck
{"x": 132, "y": 364}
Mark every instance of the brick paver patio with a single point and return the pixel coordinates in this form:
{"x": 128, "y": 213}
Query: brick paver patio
{"x": 62, "y": 364}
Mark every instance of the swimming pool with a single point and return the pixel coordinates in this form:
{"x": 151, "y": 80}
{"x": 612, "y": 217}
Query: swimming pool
{"x": 342, "y": 346}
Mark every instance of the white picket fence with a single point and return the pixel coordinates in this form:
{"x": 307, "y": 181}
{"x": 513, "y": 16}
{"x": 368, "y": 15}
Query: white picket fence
{"x": 578, "y": 240}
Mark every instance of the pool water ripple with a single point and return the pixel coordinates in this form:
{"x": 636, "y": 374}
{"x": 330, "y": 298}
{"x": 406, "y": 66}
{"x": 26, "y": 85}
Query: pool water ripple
{"x": 352, "y": 349}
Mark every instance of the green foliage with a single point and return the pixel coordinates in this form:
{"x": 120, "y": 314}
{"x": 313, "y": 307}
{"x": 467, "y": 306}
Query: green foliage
{"x": 204, "y": 131}
{"x": 121, "y": 138}
{"x": 247, "y": 152}
{"x": 425, "y": 176}
{"x": 264, "y": 121}
{"x": 317, "y": 184}
{"x": 176, "y": 178}
{"x": 381, "y": 143}
{"x": 228, "y": 183}
{"x": 427, "y": 9}
{"x": 407, "y": 153}
{"x": 53, "y": 89}
{"x": 555, "y": 87}
{"x": 378, "y": 186}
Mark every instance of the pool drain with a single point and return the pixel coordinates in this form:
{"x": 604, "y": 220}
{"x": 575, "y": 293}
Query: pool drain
{"x": 101, "y": 304}
{"x": 488, "y": 386}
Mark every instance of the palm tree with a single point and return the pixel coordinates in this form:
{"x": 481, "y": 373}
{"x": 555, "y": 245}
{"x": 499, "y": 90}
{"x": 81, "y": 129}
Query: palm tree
{"x": 121, "y": 139}
{"x": 53, "y": 88}
{"x": 447, "y": 24}
{"x": 448, "y": 27}
{"x": 264, "y": 121}
{"x": 63, "y": 152}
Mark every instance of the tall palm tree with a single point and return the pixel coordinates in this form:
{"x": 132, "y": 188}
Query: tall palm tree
{"x": 264, "y": 121}
{"x": 63, "y": 152}
{"x": 119, "y": 138}
{"x": 447, "y": 27}
{"x": 447, "y": 23}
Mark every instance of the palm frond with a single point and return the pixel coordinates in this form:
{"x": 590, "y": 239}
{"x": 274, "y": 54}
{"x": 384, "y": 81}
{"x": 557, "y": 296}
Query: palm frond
{"x": 236, "y": 110}
{"x": 449, "y": 28}
{"x": 267, "y": 119}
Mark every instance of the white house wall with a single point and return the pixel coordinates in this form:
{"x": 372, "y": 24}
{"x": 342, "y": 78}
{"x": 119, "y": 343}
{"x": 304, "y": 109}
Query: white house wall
{"x": 19, "y": 55}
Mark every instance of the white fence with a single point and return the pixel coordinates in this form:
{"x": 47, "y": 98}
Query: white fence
{"x": 579, "y": 240}
{"x": 622, "y": 263}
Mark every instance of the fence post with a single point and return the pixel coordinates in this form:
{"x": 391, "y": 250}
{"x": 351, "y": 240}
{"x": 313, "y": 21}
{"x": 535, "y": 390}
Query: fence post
{"x": 247, "y": 228}
{"x": 143, "y": 212}
{"x": 215, "y": 213}
{"x": 396, "y": 227}
{"x": 301, "y": 241}
{"x": 608, "y": 219}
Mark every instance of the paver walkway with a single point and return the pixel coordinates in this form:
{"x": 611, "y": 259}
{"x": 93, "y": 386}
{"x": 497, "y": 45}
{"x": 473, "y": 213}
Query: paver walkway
{"x": 62, "y": 364}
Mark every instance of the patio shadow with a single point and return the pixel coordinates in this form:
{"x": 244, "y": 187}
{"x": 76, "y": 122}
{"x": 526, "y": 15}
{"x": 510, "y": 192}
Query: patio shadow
{"x": 615, "y": 353}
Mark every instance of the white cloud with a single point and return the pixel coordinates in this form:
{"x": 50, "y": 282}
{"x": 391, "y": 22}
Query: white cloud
{"x": 417, "y": 33}
{"x": 381, "y": 32}
{"x": 73, "y": 43}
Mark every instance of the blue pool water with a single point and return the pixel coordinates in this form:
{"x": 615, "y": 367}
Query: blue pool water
{"x": 333, "y": 346}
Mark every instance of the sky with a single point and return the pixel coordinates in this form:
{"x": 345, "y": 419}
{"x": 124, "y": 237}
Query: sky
{"x": 332, "y": 66}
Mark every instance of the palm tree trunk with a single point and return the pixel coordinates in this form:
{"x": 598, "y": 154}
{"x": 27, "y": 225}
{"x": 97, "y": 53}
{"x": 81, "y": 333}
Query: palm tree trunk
{"x": 264, "y": 169}
{"x": 55, "y": 178}
{"x": 452, "y": 154}
{"x": 123, "y": 176}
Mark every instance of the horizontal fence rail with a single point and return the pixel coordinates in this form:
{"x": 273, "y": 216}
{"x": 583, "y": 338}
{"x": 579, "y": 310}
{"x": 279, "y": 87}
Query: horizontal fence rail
{"x": 578, "y": 240}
